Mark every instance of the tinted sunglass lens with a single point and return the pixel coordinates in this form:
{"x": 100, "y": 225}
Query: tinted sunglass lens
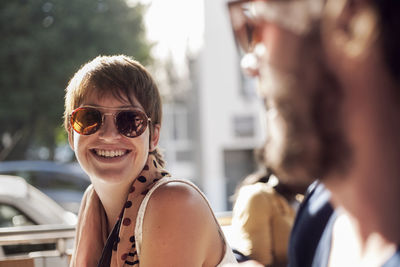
{"x": 131, "y": 123}
{"x": 86, "y": 121}
{"x": 243, "y": 26}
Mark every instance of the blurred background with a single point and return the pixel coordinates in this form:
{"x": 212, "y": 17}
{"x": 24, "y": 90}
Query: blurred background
{"x": 212, "y": 117}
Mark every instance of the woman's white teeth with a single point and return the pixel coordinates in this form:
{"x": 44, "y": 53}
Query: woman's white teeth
{"x": 110, "y": 153}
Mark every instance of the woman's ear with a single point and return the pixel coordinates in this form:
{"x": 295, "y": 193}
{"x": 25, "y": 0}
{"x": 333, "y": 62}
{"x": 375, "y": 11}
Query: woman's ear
{"x": 155, "y": 136}
{"x": 71, "y": 138}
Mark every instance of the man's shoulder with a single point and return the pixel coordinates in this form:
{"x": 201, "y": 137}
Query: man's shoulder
{"x": 311, "y": 219}
{"x": 394, "y": 261}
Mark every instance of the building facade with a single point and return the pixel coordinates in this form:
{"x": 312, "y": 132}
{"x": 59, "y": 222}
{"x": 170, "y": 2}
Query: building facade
{"x": 213, "y": 124}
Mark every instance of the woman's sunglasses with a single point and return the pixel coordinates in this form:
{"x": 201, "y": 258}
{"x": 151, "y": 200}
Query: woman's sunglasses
{"x": 87, "y": 120}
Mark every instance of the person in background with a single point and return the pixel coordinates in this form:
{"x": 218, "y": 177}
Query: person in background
{"x": 133, "y": 213}
{"x": 263, "y": 216}
{"x": 329, "y": 73}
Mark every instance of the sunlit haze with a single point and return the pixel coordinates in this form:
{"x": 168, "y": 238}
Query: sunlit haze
{"x": 175, "y": 25}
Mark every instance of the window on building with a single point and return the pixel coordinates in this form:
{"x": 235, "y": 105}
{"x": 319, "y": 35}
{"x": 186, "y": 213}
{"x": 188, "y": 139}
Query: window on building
{"x": 244, "y": 126}
{"x": 176, "y": 138}
{"x": 237, "y": 165}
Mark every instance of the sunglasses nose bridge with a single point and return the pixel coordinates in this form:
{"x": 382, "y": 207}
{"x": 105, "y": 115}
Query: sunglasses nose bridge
{"x": 109, "y": 128}
{"x": 114, "y": 115}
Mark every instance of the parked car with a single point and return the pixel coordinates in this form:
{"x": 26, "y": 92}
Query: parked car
{"x": 64, "y": 183}
{"x": 31, "y": 223}
{"x": 21, "y": 204}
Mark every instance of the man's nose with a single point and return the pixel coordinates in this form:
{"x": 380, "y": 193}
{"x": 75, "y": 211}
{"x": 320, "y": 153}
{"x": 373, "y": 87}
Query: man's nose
{"x": 250, "y": 62}
{"x": 249, "y": 65}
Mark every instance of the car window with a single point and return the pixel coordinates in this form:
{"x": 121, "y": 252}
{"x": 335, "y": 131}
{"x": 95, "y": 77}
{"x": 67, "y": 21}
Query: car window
{"x": 53, "y": 180}
{"x": 11, "y": 216}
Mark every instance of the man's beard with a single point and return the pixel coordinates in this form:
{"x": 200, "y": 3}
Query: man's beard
{"x": 306, "y": 139}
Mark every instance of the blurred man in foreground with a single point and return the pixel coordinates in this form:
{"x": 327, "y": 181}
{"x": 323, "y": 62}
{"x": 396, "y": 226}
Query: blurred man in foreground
{"x": 329, "y": 73}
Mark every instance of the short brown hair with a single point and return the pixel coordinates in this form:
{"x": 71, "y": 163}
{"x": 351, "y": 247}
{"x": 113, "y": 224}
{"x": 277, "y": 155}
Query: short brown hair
{"x": 120, "y": 76}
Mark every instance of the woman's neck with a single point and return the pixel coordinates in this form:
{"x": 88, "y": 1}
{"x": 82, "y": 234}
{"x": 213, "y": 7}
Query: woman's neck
{"x": 113, "y": 198}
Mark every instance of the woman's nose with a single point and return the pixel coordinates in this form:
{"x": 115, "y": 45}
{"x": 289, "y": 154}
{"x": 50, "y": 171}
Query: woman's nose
{"x": 109, "y": 129}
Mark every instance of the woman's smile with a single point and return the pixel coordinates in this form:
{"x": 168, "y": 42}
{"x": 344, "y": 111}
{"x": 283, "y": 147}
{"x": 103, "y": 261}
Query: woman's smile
{"x": 107, "y": 153}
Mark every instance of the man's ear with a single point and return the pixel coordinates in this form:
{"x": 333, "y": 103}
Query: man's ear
{"x": 71, "y": 138}
{"x": 349, "y": 27}
{"x": 155, "y": 136}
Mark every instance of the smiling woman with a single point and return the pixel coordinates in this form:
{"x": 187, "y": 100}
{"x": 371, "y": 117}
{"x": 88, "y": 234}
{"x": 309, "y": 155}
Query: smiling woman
{"x": 133, "y": 208}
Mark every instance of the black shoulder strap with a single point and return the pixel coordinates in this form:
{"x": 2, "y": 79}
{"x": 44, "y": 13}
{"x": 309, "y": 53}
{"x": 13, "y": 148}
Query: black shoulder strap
{"x": 112, "y": 243}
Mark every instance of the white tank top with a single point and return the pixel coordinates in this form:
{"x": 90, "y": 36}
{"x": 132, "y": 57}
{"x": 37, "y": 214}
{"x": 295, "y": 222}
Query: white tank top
{"x": 228, "y": 256}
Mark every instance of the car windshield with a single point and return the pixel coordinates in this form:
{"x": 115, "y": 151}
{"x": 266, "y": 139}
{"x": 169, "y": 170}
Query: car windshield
{"x": 11, "y": 216}
{"x": 64, "y": 183}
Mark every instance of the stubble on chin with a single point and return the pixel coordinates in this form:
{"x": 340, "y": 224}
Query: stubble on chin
{"x": 309, "y": 141}
{"x": 292, "y": 147}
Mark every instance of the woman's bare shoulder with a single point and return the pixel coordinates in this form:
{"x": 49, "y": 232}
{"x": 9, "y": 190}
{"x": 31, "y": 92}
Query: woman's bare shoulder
{"x": 178, "y": 214}
{"x": 177, "y": 197}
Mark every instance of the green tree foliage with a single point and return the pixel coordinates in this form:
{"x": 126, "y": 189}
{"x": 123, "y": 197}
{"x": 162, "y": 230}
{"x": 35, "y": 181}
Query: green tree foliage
{"x": 42, "y": 44}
